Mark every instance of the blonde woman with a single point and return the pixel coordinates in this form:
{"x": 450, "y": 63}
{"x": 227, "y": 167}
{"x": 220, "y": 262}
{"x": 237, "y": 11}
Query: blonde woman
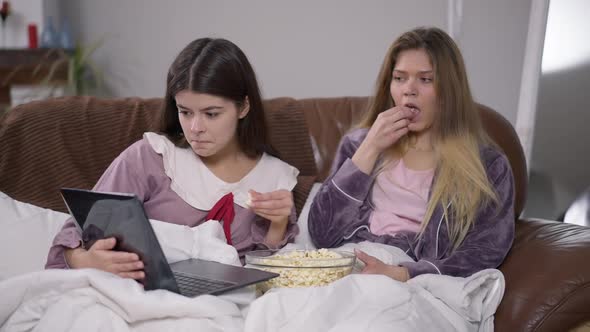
{"x": 420, "y": 173}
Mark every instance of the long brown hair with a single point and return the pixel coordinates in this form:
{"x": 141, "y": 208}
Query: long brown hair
{"x": 461, "y": 182}
{"x": 217, "y": 67}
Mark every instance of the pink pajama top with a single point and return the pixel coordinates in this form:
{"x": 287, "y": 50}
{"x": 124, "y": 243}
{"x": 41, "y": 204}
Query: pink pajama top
{"x": 175, "y": 187}
{"x": 400, "y": 197}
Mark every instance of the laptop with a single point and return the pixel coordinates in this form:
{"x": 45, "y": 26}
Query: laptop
{"x": 100, "y": 215}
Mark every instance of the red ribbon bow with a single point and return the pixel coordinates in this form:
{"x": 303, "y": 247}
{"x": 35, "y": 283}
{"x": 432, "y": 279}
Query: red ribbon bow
{"x": 223, "y": 210}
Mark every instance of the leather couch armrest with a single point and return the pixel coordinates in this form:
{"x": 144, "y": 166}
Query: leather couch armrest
{"x": 547, "y": 275}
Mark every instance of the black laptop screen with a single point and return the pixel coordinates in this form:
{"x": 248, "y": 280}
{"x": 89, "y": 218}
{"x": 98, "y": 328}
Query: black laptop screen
{"x": 103, "y": 215}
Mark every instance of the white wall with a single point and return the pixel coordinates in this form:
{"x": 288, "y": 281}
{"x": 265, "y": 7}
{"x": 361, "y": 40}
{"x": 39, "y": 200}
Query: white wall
{"x": 561, "y": 151}
{"x": 302, "y": 48}
{"x": 298, "y": 48}
{"x": 22, "y": 13}
{"x": 493, "y": 41}
{"x": 25, "y": 12}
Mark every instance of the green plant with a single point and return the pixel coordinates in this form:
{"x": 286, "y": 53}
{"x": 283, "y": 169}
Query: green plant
{"x": 83, "y": 75}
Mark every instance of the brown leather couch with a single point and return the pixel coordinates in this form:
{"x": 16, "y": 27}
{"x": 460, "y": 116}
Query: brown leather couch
{"x": 70, "y": 141}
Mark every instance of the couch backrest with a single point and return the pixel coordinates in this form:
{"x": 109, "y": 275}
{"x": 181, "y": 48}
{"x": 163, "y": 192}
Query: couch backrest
{"x": 70, "y": 141}
{"x": 66, "y": 142}
{"x": 329, "y": 119}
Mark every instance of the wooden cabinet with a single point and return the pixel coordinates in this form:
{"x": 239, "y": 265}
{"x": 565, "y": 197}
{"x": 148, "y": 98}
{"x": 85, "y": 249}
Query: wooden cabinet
{"x": 31, "y": 67}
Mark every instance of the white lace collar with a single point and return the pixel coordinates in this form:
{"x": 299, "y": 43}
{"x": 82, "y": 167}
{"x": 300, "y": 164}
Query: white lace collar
{"x": 200, "y": 188}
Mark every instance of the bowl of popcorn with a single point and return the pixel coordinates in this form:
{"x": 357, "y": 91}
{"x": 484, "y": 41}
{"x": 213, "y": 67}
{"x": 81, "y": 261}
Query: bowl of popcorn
{"x": 301, "y": 268}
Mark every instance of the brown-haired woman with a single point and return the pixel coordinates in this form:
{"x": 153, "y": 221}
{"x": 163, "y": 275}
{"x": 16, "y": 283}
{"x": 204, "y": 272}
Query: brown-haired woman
{"x": 212, "y": 151}
{"x": 420, "y": 174}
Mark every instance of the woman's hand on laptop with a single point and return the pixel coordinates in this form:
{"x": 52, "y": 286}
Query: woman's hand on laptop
{"x": 101, "y": 256}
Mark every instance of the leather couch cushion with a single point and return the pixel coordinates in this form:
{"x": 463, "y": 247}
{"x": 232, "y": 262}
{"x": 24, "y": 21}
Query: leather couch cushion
{"x": 289, "y": 136}
{"x": 547, "y": 278}
{"x": 502, "y": 132}
{"x": 328, "y": 120}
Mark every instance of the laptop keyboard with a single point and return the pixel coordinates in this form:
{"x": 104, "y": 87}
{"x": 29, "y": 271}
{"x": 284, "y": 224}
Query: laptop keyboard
{"x": 192, "y": 285}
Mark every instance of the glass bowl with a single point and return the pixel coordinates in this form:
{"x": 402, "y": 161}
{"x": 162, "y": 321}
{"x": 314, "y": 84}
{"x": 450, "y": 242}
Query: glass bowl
{"x": 301, "y": 268}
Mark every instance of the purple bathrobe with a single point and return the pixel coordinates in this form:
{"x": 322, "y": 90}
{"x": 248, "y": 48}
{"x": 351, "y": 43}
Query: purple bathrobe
{"x": 340, "y": 213}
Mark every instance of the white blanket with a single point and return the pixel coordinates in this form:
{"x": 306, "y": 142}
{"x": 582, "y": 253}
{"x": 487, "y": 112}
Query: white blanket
{"x": 91, "y": 300}
{"x": 378, "y": 303}
{"x": 26, "y": 233}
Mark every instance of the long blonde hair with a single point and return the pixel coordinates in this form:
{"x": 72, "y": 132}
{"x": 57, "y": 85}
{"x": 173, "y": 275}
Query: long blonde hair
{"x": 461, "y": 180}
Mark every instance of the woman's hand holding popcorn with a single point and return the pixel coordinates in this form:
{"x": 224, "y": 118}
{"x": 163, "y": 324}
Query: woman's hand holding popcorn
{"x": 275, "y": 206}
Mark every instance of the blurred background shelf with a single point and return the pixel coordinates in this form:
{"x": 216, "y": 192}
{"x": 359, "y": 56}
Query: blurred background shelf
{"x": 30, "y": 67}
